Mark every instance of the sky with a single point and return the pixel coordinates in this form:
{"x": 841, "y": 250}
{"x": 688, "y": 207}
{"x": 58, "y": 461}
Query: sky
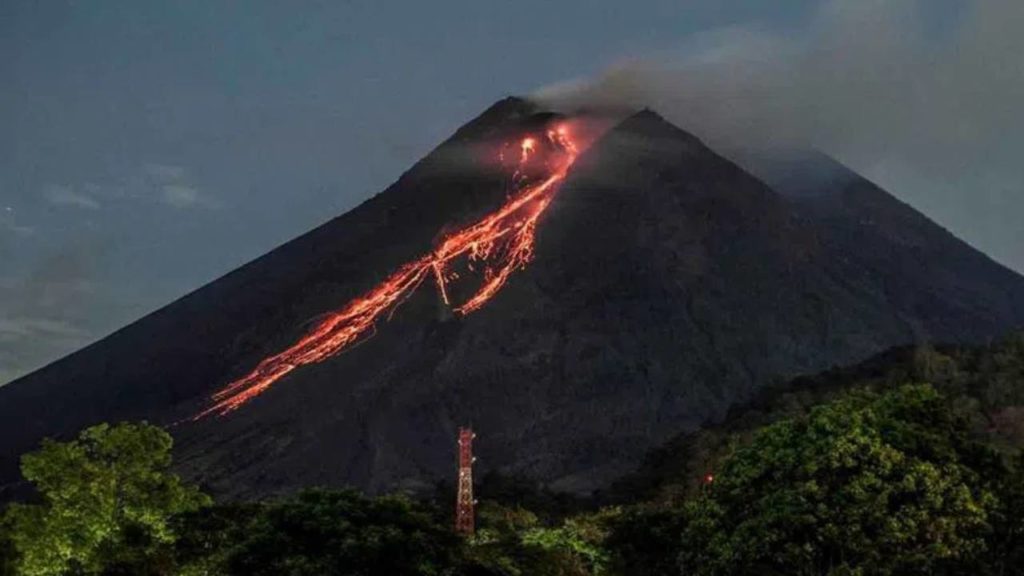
{"x": 150, "y": 147}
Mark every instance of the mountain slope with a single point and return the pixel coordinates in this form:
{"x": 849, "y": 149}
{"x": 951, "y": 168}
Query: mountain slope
{"x": 162, "y": 365}
{"x": 667, "y": 285}
{"x": 936, "y": 282}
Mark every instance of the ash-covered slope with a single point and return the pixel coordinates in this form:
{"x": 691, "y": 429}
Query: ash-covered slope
{"x": 935, "y": 281}
{"x": 668, "y": 284}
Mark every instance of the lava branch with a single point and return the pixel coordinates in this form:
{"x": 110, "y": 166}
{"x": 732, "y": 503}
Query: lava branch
{"x": 501, "y": 243}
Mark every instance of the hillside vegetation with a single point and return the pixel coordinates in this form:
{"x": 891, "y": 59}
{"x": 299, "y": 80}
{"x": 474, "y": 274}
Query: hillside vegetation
{"x": 909, "y": 463}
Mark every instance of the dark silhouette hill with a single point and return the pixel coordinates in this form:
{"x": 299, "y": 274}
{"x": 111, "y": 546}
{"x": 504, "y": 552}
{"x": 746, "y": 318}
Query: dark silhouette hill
{"x": 668, "y": 285}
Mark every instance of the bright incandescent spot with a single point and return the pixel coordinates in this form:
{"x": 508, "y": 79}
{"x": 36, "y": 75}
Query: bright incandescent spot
{"x": 494, "y": 247}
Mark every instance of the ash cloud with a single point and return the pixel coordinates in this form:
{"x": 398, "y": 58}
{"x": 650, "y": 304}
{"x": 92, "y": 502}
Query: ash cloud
{"x": 931, "y": 116}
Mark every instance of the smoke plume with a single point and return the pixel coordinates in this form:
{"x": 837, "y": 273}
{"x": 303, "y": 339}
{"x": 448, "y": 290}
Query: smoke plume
{"x": 929, "y": 111}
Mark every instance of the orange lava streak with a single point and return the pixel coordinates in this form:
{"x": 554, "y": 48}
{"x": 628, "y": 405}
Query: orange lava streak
{"x": 501, "y": 243}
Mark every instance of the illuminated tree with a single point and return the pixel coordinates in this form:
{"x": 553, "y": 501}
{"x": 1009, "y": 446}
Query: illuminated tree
{"x": 864, "y": 485}
{"x": 107, "y": 499}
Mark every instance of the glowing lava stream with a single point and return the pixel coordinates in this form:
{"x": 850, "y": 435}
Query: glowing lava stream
{"x": 502, "y": 242}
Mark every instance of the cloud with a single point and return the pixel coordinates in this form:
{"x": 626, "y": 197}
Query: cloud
{"x": 65, "y": 196}
{"x": 46, "y": 312}
{"x": 173, "y": 187}
{"x": 864, "y": 75}
{"x": 28, "y": 342}
{"x": 932, "y": 116}
{"x": 9, "y": 224}
{"x": 59, "y": 286}
{"x": 180, "y": 196}
{"x": 16, "y": 328}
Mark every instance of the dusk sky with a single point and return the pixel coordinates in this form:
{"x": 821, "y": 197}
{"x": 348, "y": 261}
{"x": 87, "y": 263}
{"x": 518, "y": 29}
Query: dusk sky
{"x": 149, "y": 147}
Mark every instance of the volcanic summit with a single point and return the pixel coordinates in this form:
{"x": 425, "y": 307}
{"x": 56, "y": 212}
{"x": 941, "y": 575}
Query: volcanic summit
{"x": 577, "y": 293}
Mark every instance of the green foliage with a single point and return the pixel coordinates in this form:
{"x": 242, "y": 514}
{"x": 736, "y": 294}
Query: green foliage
{"x": 207, "y": 536}
{"x": 332, "y": 532}
{"x": 865, "y": 485}
{"x": 497, "y": 548}
{"x": 1007, "y": 555}
{"x": 513, "y": 542}
{"x": 8, "y": 553}
{"x": 579, "y": 540}
{"x": 645, "y": 540}
{"x": 1001, "y": 373}
{"x": 107, "y": 500}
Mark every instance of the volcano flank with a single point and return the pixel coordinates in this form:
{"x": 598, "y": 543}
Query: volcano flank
{"x": 650, "y": 287}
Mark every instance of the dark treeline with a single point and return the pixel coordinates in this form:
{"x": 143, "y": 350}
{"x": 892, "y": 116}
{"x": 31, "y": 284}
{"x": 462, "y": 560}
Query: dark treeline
{"x": 909, "y": 463}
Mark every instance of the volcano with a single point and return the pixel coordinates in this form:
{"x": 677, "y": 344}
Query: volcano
{"x": 577, "y": 301}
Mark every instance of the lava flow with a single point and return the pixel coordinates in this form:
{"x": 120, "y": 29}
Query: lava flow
{"x": 500, "y": 243}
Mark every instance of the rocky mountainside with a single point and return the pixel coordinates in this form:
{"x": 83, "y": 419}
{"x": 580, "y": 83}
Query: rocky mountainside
{"x": 927, "y": 274}
{"x": 667, "y": 285}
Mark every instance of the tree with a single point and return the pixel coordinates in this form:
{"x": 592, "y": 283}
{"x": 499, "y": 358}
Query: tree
{"x": 512, "y": 541}
{"x": 207, "y": 536}
{"x": 1008, "y": 549}
{"x": 497, "y": 548}
{"x": 864, "y": 485}
{"x": 322, "y": 532}
{"x": 646, "y": 540}
{"x": 106, "y": 503}
{"x": 8, "y": 553}
{"x": 578, "y": 541}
